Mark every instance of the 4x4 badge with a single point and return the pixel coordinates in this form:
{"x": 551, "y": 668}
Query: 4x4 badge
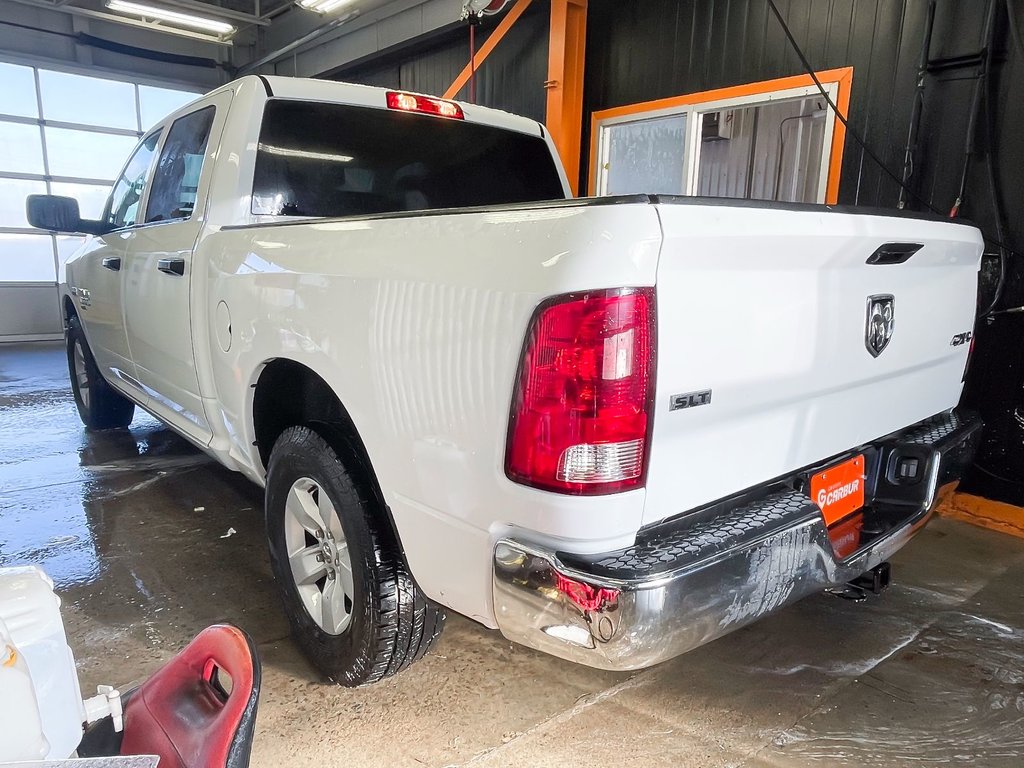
{"x": 880, "y": 322}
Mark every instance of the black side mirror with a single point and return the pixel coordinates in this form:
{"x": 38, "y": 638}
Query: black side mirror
{"x": 60, "y": 214}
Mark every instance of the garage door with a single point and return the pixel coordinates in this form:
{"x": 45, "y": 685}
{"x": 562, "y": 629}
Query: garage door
{"x": 63, "y": 134}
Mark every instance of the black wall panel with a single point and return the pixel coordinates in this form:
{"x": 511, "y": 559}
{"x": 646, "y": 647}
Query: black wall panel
{"x": 659, "y": 48}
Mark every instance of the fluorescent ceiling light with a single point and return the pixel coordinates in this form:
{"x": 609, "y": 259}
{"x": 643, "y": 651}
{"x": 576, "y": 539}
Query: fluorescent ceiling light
{"x": 322, "y": 6}
{"x": 171, "y": 17}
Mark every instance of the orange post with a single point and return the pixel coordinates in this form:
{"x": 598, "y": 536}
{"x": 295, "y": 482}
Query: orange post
{"x": 566, "y": 66}
{"x": 485, "y": 50}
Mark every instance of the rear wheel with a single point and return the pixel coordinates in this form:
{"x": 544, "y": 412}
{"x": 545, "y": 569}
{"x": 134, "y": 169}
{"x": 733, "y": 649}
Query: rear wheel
{"x": 352, "y": 605}
{"x": 100, "y": 406}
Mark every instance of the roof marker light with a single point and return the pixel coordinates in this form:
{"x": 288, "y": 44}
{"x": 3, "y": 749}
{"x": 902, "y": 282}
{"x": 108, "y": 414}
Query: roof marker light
{"x": 411, "y": 102}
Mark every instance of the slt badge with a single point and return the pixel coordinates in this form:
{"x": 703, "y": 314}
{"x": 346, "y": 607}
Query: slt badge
{"x": 880, "y": 322}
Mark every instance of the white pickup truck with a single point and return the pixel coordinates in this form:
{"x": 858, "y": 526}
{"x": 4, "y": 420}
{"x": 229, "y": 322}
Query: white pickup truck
{"x": 614, "y": 429}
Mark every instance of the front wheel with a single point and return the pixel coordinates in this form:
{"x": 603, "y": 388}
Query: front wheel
{"x": 352, "y": 605}
{"x": 100, "y": 406}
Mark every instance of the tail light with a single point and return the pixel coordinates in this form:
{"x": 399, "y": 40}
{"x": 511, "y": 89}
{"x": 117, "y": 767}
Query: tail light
{"x": 581, "y": 412}
{"x": 412, "y": 102}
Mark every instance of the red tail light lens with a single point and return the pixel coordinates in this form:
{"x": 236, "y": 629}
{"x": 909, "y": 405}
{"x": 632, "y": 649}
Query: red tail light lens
{"x": 411, "y": 102}
{"x": 581, "y": 413}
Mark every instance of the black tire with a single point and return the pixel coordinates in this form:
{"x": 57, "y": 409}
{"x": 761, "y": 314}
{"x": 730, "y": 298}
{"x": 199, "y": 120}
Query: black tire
{"x": 100, "y": 406}
{"x": 392, "y": 624}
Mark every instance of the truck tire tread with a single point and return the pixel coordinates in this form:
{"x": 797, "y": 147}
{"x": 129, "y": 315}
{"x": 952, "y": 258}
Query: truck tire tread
{"x": 106, "y": 408}
{"x": 400, "y": 622}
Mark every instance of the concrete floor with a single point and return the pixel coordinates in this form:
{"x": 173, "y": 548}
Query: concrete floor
{"x": 149, "y": 541}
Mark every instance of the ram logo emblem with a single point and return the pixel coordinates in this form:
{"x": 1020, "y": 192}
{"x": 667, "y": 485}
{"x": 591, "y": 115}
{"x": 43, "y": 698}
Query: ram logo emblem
{"x": 880, "y": 322}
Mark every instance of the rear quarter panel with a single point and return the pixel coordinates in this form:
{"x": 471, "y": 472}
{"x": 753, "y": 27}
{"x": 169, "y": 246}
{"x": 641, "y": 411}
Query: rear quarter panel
{"x": 418, "y": 323}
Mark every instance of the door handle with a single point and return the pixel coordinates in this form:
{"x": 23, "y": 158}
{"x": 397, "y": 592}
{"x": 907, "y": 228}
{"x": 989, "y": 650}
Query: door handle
{"x": 174, "y": 267}
{"x": 894, "y": 253}
{"x": 112, "y": 263}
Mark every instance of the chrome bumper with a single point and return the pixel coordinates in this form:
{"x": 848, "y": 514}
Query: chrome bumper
{"x": 705, "y": 574}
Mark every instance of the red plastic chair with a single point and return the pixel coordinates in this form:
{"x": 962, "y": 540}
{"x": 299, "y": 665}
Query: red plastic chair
{"x": 199, "y": 709}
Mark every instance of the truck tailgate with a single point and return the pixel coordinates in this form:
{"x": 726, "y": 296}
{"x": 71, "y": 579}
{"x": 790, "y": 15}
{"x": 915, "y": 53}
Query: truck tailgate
{"x": 767, "y": 310}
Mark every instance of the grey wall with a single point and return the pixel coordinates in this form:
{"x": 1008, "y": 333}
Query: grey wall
{"x": 383, "y": 28}
{"x": 43, "y": 36}
{"x": 512, "y": 78}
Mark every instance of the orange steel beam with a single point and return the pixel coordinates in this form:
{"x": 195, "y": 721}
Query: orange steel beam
{"x": 565, "y": 82}
{"x": 485, "y": 50}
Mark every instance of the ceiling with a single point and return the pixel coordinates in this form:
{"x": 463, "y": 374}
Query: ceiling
{"x": 274, "y": 7}
{"x": 241, "y": 13}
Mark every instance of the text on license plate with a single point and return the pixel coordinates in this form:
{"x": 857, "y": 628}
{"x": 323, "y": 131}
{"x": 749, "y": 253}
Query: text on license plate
{"x": 839, "y": 490}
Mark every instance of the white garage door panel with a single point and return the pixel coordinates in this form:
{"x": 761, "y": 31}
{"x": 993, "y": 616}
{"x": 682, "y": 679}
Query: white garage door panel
{"x": 29, "y": 311}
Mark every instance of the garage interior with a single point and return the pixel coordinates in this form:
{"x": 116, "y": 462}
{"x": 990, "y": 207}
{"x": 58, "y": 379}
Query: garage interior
{"x": 148, "y": 540}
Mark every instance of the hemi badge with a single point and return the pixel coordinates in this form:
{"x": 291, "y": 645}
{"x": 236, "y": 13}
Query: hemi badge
{"x": 690, "y": 400}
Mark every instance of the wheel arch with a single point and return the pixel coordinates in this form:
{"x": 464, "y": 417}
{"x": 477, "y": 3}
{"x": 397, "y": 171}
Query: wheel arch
{"x": 67, "y": 309}
{"x": 287, "y": 394}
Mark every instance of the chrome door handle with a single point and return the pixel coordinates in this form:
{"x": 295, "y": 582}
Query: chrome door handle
{"x": 174, "y": 267}
{"x": 112, "y": 263}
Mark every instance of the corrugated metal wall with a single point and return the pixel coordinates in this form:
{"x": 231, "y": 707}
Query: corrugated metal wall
{"x": 658, "y": 48}
{"x": 728, "y": 170}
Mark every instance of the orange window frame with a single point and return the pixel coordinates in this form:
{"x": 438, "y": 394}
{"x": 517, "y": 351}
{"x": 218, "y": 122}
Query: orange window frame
{"x": 842, "y": 78}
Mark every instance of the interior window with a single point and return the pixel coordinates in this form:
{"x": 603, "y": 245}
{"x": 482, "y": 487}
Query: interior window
{"x": 123, "y": 207}
{"x": 181, "y": 163}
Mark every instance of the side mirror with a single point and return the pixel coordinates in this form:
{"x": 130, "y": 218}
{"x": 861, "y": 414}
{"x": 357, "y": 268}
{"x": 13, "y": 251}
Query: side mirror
{"x": 60, "y": 214}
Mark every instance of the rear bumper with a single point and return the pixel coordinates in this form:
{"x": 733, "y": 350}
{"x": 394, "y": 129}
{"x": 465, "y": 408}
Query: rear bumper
{"x": 700, "y": 576}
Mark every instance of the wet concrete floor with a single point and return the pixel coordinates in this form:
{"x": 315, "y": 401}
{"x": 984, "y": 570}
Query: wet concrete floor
{"x": 149, "y": 541}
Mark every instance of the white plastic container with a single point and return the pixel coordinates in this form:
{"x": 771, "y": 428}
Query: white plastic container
{"x": 40, "y": 701}
{"x": 21, "y": 737}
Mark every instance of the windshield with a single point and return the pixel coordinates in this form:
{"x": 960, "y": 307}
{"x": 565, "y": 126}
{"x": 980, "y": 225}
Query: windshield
{"x": 319, "y": 159}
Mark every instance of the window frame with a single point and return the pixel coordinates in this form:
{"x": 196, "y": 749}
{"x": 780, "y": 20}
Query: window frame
{"x": 837, "y": 82}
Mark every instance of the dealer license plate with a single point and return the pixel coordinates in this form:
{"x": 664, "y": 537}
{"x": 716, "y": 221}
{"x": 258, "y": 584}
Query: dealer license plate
{"x": 839, "y": 490}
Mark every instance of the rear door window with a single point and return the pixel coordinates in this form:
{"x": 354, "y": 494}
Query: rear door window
{"x": 319, "y": 159}
{"x": 176, "y": 181}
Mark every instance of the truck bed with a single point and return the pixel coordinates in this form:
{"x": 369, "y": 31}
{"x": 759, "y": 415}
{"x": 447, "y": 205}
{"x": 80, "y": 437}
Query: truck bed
{"x": 417, "y": 320}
